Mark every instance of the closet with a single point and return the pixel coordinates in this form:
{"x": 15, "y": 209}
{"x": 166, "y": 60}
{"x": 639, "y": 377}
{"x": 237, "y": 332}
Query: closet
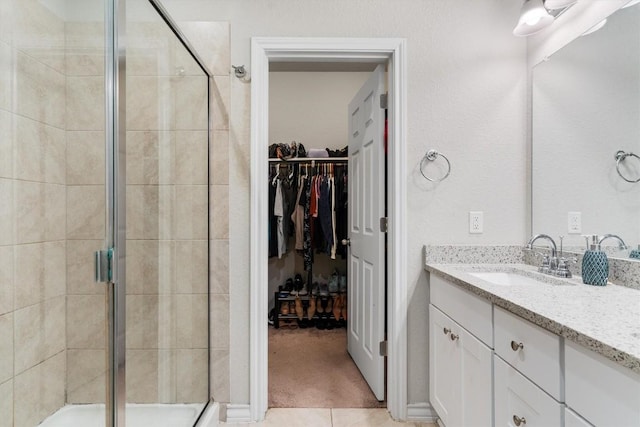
{"x": 308, "y": 104}
{"x": 308, "y": 215}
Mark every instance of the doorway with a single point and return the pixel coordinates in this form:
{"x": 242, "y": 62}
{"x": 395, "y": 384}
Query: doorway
{"x": 313, "y": 357}
{"x": 391, "y": 51}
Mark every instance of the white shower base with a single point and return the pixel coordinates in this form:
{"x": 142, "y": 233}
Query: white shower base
{"x": 138, "y": 415}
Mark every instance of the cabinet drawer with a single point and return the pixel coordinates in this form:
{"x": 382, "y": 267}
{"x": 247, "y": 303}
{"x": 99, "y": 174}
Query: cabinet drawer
{"x": 520, "y": 402}
{"x": 471, "y": 311}
{"x": 571, "y": 419}
{"x": 600, "y": 390}
{"x": 530, "y": 349}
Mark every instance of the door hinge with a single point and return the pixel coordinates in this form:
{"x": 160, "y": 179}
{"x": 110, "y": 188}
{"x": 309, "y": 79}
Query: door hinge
{"x": 103, "y": 265}
{"x": 383, "y": 348}
{"x": 384, "y": 224}
{"x": 384, "y": 100}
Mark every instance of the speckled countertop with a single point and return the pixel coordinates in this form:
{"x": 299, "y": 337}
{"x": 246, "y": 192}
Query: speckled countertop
{"x": 605, "y": 319}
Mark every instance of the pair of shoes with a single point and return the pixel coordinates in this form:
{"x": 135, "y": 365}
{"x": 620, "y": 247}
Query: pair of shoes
{"x": 311, "y": 310}
{"x": 337, "y": 307}
{"x": 323, "y": 290}
{"x": 343, "y": 284}
{"x": 289, "y": 286}
{"x": 300, "y": 285}
{"x": 299, "y": 309}
{"x": 334, "y": 283}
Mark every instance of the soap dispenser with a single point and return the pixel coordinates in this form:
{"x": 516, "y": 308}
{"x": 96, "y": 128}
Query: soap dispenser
{"x": 635, "y": 253}
{"x": 595, "y": 265}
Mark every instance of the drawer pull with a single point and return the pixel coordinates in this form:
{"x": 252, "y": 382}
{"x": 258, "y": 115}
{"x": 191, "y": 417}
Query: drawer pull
{"x": 454, "y": 337}
{"x": 446, "y": 331}
{"x": 515, "y": 346}
{"x": 519, "y": 420}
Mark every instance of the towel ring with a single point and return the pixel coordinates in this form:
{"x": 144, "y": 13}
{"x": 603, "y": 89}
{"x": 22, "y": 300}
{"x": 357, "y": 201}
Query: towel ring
{"x": 431, "y": 156}
{"x": 620, "y": 156}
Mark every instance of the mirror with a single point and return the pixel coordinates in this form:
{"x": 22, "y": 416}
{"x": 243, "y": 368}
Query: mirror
{"x": 586, "y": 107}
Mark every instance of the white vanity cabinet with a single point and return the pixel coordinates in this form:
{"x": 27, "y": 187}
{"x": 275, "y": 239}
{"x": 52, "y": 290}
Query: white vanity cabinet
{"x": 599, "y": 390}
{"x": 460, "y": 374}
{"x": 531, "y": 350}
{"x": 519, "y": 402}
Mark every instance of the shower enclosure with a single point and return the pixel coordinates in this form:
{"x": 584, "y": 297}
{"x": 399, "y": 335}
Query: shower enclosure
{"x": 104, "y": 139}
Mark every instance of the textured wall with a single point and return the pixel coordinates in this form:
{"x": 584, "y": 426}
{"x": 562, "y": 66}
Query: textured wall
{"x": 466, "y": 97}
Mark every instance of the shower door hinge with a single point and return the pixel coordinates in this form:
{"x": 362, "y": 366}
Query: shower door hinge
{"x": 384, "y": 224}
{"x": 103, "y": 265}
{"x": 384, "y": 100}
{"x": 383, "y": 348}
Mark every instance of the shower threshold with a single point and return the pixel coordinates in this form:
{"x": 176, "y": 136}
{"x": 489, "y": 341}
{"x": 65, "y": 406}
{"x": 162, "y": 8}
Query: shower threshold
{"x": 138, "y": 415}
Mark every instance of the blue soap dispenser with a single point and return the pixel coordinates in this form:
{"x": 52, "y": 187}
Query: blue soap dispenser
{"x": 595, "y": 265}
{"x": 635, "y": 253}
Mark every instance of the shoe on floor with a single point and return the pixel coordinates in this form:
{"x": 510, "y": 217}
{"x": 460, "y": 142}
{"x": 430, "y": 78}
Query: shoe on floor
{"x": 299, "y": 309}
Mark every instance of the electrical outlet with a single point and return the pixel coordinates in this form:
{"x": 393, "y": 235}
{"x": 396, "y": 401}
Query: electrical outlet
{"x": 475, "y": 222}
{"x": 575, "y": 222}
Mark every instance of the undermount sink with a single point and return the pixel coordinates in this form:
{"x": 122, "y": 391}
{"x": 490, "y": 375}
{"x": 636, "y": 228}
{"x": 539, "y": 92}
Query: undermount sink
{"x": 505, "y": 278}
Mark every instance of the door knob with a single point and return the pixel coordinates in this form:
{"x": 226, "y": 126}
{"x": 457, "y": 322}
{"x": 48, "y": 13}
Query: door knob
{"x": 346, "y": 242}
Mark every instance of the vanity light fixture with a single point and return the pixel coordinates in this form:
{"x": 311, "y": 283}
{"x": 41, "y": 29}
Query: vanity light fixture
{"x": 595, "y": 27}
{"x": 631, "y": 3}
{"x": 558, "y": 4}
{"x": 533, "y": 18}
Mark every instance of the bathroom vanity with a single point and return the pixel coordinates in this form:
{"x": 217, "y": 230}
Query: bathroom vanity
{"x": 510, "y": 346}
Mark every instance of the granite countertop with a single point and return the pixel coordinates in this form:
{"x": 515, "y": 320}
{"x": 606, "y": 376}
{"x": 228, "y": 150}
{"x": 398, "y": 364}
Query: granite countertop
{"x": 605, "y": 319}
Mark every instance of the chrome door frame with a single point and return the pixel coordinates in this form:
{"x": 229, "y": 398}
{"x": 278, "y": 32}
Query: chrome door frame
{"x": 115, "y": 145}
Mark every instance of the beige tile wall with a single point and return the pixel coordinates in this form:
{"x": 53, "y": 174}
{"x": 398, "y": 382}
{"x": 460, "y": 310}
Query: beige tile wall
{"x": 85, "y": 218}
{"x": 32, "y": 213}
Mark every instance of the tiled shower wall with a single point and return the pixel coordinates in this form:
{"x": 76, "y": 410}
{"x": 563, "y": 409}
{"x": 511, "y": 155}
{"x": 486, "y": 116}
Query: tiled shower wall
{"x": 32, "y": 213}
{"x": 52, "y": 171}
{"x": 211, "y": 41}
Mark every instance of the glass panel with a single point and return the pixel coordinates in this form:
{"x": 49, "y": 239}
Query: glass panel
{"x": 52, "y": 219}
{"x": 167, "y": 223}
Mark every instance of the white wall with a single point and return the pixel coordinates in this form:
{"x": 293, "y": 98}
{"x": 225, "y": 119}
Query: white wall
{"x": 466, "y": 97}
{"x": 311, "y": 107}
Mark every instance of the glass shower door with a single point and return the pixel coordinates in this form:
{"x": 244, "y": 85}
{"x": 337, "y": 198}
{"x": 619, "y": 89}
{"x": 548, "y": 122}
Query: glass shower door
{"x": 167, "y": 232}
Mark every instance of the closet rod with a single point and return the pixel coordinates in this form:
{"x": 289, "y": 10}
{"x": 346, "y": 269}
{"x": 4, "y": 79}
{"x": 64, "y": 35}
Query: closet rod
{"x": 310, "y": 159}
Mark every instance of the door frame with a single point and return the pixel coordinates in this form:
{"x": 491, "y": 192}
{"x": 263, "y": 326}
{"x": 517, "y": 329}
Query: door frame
{"x": 284, "y": 49}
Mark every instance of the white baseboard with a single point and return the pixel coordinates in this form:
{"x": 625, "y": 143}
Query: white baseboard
{"x": 422, "y": 412}
{"x": 238, "y": 413}
{"x": 210, "y": 417}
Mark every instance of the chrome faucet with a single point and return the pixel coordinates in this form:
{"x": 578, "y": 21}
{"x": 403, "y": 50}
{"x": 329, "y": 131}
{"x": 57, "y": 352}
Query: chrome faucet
{"x": 621, "y": 244}
{"x": 549, "y": 264}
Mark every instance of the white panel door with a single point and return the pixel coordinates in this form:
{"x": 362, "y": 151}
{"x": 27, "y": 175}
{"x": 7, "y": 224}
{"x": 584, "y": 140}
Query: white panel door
{"x": 366, "y": 291}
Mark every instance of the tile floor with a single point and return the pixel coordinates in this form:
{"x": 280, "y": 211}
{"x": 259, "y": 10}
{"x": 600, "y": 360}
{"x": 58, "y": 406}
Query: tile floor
{"x": 325, "y": 417}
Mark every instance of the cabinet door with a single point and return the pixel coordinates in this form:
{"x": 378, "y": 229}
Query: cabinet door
{"x": 476, "y": 381}
{"x": 519, "y": 402}
{"x": 445, "y": 371}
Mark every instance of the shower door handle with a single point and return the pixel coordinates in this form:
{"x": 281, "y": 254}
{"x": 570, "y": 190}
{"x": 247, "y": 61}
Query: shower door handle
{"x": 102, "y": 263}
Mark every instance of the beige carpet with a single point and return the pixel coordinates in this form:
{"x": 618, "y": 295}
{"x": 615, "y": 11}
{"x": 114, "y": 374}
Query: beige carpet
{"x": 310, "y": 368}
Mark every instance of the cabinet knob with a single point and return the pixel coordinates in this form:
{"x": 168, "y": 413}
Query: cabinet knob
{"x": 454, "y": 337}
{"x": 519, "y": 420}
{"x": 446, "y": 331}
{"x": 515, "y": 346}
